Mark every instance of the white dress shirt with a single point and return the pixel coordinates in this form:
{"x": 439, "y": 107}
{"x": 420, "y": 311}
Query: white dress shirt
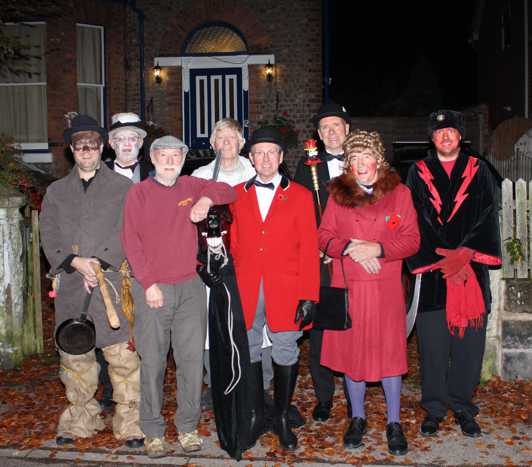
{"x": 265, "y": 195}
{"x": 335, "y": 167}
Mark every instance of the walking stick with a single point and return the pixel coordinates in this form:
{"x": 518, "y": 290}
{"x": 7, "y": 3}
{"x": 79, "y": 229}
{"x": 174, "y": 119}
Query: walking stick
{"x": 112, "y": 317}
{"x": 311, "y": 147}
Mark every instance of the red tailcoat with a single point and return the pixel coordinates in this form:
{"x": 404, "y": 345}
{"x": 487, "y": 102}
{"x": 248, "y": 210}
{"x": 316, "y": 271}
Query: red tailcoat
{"x": 282, "y": 250}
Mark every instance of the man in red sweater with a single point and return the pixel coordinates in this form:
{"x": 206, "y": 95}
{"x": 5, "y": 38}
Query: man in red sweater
{"x": 160, "y": 242}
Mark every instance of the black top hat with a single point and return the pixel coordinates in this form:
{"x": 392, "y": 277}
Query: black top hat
{"x": 266, "y": 134}
{"x": 446, "y": 119}
{"x": 331, "y": 109}
{"x": 83, "y": 123}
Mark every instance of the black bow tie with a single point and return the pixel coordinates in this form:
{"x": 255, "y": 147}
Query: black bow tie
{"x": 130, "y": 167}
{"x": 330, "y": 157}
{"x": 269, "y": 185}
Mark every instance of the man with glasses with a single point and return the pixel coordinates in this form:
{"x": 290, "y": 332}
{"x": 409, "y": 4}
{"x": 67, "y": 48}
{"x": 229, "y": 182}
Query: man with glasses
{"x": 274, "y": 245}
{"x": 80, "y": 223}
{"x": 126, "y": 137}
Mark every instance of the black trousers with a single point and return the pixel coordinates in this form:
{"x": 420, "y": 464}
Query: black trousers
{"x": 322, "y": 377}
{"x": 450, "y": 365}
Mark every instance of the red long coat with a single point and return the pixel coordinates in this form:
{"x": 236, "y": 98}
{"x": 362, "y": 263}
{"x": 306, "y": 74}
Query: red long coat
{"x": 375, "y": 346}
{"x": 282, "y": 250}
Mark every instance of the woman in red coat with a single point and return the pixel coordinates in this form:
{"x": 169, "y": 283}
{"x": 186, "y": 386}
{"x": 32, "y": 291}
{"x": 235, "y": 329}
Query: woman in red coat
{"x": 369, "y": 224}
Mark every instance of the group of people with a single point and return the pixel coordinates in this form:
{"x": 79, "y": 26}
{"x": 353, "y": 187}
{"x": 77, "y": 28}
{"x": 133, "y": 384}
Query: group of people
{"x": 352, "y": 226}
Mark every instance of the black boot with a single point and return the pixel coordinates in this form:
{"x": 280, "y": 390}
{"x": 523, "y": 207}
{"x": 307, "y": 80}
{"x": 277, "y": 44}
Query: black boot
{"x": 256, "y": 394}
{"x": 284, "y": 382}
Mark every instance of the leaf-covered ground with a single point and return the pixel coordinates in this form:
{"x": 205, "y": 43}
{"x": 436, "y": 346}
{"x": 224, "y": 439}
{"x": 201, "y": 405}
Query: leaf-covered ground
{"x": 32, "y": 398}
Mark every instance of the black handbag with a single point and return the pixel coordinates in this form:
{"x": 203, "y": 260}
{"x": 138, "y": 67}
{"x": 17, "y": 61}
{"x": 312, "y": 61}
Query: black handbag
{"x": 332, "y": 312}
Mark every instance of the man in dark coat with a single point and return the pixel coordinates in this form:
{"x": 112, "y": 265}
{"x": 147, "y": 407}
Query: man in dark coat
{"x": 453, "y": 193}
{"x": 80, "y": 223}
{"x": 332, "y": 123}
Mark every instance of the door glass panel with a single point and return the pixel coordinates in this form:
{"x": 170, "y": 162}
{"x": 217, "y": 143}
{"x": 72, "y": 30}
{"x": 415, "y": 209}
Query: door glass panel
{"x": 216, "y": 99}
{"x": 230, "y": 92}
{"x": 201, "y": 108}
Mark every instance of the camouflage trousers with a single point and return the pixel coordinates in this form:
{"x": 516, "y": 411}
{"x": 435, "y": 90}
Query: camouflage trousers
{"x": 79, "y": 374}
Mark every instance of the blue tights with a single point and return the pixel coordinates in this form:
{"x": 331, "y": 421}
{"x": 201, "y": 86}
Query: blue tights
{"x": 392, "y": 392}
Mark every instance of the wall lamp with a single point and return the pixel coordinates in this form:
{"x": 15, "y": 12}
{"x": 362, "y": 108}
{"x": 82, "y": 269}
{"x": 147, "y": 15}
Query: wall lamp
{"x": 157, "y": 73}
{"x": 268, "y": 69}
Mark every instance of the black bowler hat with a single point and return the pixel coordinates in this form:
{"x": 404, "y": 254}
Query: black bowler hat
{"x": 446, "y": 119}
{"x": 331, "y": 109}
{"x": 83, "y": 123}
{"x": 266, "y": 134}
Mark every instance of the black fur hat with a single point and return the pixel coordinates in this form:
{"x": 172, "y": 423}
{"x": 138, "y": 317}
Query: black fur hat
{"x": 446, "y": 119}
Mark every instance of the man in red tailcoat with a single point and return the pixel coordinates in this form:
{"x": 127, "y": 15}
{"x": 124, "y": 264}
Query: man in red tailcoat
{"x": 274, "y": 244}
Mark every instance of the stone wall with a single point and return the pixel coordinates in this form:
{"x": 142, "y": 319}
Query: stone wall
{"x": 516, "y": 329}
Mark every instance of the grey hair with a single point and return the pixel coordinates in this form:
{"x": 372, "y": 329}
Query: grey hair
{"x": 232, "y": 124}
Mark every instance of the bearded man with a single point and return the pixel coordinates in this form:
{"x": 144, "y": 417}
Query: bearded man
{"x": 161, "y": 245}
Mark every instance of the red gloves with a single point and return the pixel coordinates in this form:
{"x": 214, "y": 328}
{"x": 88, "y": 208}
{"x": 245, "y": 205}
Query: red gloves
{"x": 454, "y": 262}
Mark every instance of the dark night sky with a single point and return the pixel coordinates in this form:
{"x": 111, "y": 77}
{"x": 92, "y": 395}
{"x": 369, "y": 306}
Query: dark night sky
{"x": 402, "y": 57}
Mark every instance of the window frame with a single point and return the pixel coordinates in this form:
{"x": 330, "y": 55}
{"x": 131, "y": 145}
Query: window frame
{"x": 99, "y": 87}
{"x": 40, "y": 145}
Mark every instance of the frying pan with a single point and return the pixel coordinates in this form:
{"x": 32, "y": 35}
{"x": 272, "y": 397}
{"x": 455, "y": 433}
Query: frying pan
{"x": 77, "y": 336}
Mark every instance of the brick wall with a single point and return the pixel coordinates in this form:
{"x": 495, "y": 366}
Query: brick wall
{"x": 289, "y": 30}
{"x": 61, "y": 66}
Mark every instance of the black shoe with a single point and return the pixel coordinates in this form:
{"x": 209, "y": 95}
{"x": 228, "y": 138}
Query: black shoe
{"x": 468, "y": 424}
{"x": 295, "y": 419}
{"x": 397, "y": 444}
{"x": 135, "y": 443}
{"x": 430, "y": 425}
{"x": 322, "y": 411}
{"x": 353, "y": 436}
{"x": 62, "y": 440}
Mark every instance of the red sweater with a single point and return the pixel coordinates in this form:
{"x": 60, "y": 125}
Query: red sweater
{"x": 159, "y": 239}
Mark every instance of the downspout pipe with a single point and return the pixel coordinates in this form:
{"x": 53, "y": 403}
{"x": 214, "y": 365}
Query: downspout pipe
{"x": 326, "y": 44}
{"x": 525, "y": 3}
{"x": 140, "y": 38}
{"x": 132, "y": 4}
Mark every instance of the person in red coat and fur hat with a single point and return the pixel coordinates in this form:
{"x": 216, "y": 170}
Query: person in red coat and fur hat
{"x": 274, "y": 243}
{"x": 371, "y": 225}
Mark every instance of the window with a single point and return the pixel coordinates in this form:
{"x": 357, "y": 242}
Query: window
{"x": 216, "y": 38}
{"x": 90, "y": 69}
{"x": 23, "y": 95}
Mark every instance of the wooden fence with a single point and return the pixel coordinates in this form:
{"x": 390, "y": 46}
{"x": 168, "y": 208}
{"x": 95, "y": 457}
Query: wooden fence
{"x": 516, "y": 228}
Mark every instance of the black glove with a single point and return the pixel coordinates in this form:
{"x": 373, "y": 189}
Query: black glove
{"x": 210, "y": 279}
{"x": 305, "y": 313}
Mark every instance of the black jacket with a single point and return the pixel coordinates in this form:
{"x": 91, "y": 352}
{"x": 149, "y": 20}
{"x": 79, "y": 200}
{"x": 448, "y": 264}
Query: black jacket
{"x": 460, "y": 211}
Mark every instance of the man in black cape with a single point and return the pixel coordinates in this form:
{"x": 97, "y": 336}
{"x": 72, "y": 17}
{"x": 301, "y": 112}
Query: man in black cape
{"x": 454, "y": 193}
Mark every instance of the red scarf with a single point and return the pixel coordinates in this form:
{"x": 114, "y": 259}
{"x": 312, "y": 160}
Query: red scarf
{"x": 465, "y": 304}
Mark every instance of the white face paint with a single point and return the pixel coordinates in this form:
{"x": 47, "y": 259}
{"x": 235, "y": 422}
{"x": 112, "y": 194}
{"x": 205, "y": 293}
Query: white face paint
{"x": 126, "y": 144}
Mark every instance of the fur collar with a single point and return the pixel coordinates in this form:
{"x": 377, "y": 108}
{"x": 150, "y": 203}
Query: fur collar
{"x": 346, "y": 191}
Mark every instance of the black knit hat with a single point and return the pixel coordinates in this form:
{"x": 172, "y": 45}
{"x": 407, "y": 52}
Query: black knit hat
{"x": 266, "y": 134}
{"x": 446, "y": 119}
{"x": 83, "y": 123}
{"x": 331, "y": 109}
